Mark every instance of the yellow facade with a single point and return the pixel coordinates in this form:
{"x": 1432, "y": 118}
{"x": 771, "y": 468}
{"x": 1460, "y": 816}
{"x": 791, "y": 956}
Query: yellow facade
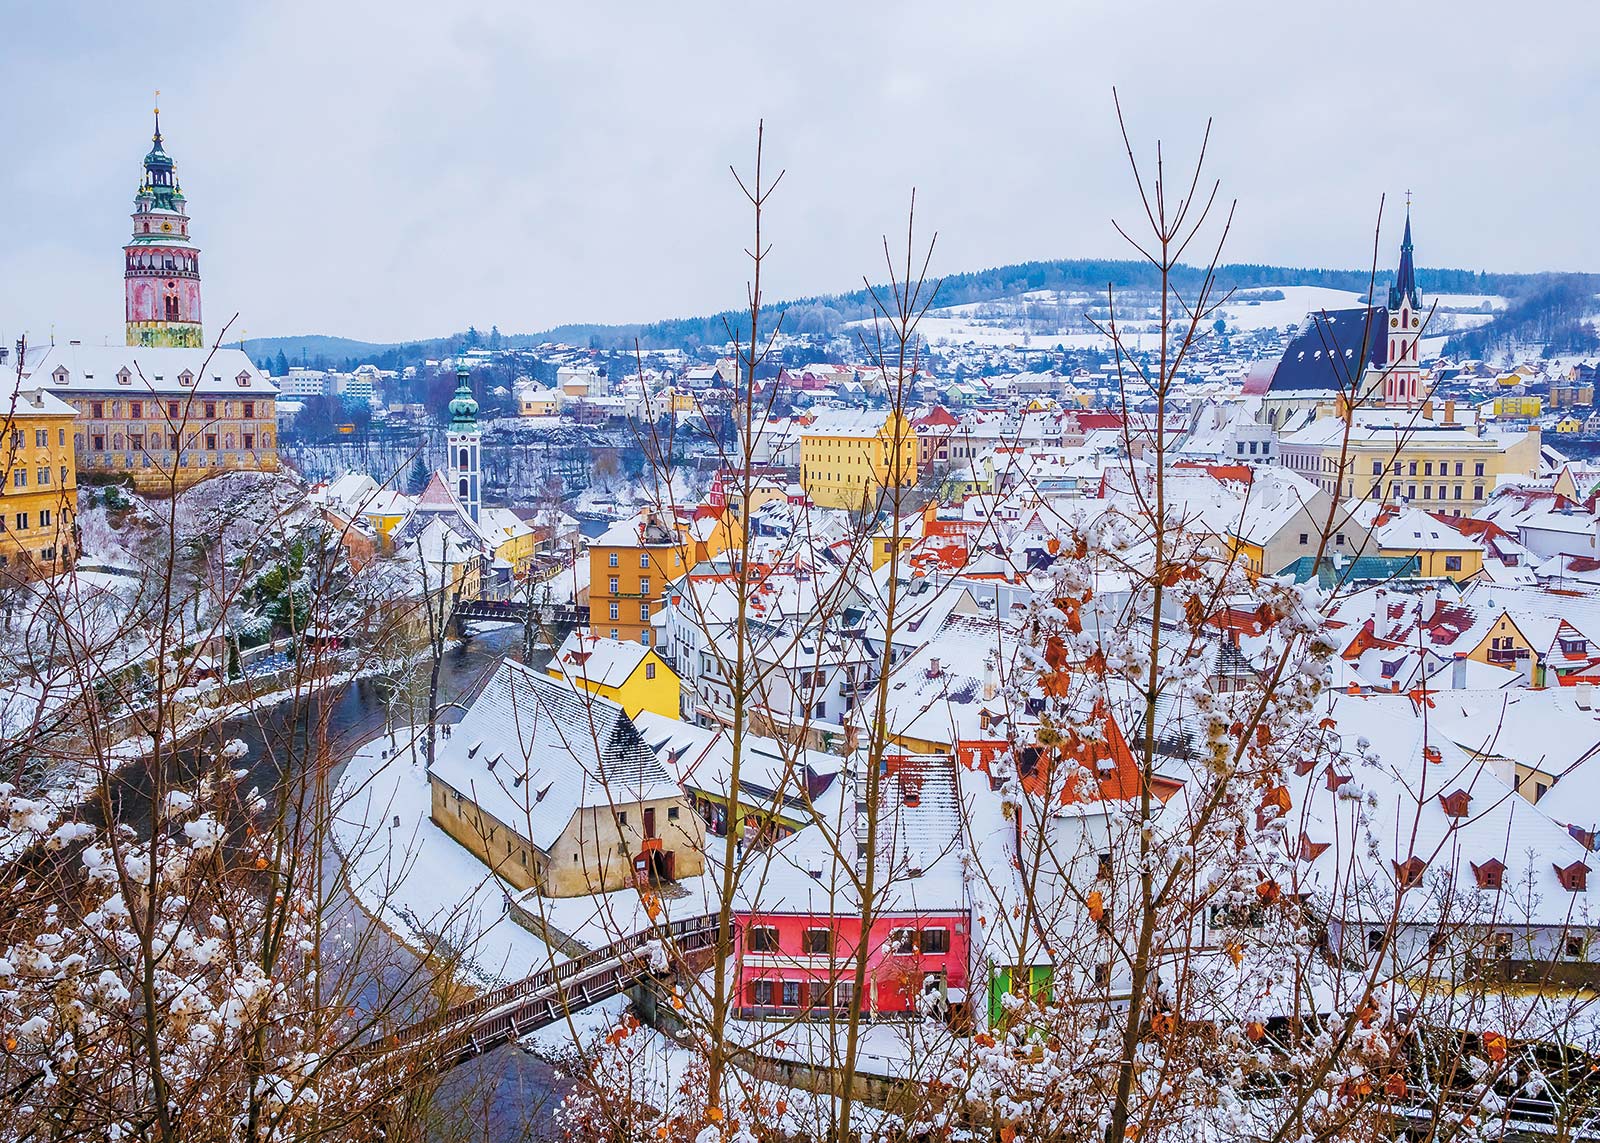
{"x": 628, "y": 582}
{"x": 651, "y": 686}
{"x": 1451, "y": 472}
{"x": 543, "y": 403}
{"x": 1517, "y": 406}
{"x": 1459, "y": 564}
{"x": 1504, "y": 646}
{"x": 848, "y": 469}
{"x": 161, "y": 440}
{"x": 39, "y": 497}
{"x": 1569, "y": 424}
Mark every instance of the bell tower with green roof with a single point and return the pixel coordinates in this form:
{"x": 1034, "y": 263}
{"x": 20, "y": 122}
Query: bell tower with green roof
{"x": 463, "y": 443}
{"x": 161, "y": 276}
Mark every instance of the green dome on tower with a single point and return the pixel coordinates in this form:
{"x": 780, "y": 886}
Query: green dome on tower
{"x": 463, "y": 406}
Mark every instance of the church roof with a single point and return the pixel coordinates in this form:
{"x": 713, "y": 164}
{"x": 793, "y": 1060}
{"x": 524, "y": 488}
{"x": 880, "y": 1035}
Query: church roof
{"x": 1325, "y": 353}
{"x": 1405, "y": 279}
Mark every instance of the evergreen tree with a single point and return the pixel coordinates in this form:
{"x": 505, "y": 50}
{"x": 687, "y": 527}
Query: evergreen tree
{"x": 417, "y": 479}
{"x": 280, "y": 366}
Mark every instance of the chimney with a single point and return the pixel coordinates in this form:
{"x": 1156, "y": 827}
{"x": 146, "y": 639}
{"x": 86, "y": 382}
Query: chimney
{"x": 933, "y": 668}
{"x": 1583, "y": 695}
{"x": 989, "y": 687}
{"x": 1450, "y": 411}
{"x": 1458, "y": 672}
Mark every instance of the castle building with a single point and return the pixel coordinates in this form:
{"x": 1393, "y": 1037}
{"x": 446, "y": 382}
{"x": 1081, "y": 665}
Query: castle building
{"x": 161, "y": 410}
{"x": 162, "y": 278}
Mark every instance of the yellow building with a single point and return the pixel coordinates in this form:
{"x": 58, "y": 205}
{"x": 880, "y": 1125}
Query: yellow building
{"x": 632, "y": 562}
{"x": 532, "y": 402}
{"x": 847, "y": 457}
{"x": 1431, "y": 462}
{"x": 1517, "y": 406}
{"x": 163, "y": 416}
{"x": 1569, "y": 424}
{"x": 1441, "y": 551}
{"x": 629, "y": 674}
{"x": 38, "y": 496}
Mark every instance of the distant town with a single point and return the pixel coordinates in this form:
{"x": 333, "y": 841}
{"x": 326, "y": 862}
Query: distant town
{"x": 792, "y": 700}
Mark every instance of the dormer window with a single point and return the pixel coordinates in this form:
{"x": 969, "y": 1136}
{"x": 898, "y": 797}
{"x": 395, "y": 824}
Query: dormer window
{"x": 1456, "y": 803}
{"x": 1489, "y": 874}
{"x": 61, "y": 376}
{"x": 1574, "y": 878}
{"x": 243, "y": 380}
{"x": 1408, "y": 873}
{"x": 124, "y": 377}
{"x": 186, "y": 378}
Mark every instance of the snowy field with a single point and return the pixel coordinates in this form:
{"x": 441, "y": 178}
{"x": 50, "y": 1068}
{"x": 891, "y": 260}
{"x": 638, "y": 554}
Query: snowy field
{"x": 1001, "y": 323}
{"x": 416, "y": 879}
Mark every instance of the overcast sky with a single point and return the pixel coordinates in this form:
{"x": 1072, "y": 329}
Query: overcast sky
{"x": 403, "y": 169}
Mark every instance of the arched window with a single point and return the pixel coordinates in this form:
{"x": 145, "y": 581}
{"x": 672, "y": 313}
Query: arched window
{"x": 172, "y": 307}
{"x": 463, "y": 488}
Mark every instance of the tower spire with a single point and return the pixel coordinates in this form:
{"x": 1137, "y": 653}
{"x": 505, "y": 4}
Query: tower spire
{"x": 156, "y": 138}
{"x": 1405, "y": 279}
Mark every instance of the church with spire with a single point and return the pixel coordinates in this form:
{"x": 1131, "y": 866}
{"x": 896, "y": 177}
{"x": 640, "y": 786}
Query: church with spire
{"x": 1402, "y": 367}
{"x": 164, "y": 409}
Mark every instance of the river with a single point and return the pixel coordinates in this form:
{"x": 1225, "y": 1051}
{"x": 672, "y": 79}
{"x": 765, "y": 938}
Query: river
{"x": 508, "y": 1091}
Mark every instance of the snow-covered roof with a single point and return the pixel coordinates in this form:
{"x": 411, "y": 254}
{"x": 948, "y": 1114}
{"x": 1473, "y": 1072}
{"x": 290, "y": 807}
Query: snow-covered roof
{"x": 80, "y": 368}
{"x": 533, "y": 751}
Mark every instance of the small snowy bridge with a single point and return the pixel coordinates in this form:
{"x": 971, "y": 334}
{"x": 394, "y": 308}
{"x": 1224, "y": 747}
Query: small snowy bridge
{"x": 472, "y": 1028}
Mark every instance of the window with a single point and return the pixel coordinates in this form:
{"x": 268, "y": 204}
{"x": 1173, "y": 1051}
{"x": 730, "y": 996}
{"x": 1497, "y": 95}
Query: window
{"x": 44, "y": 517}
{"x": 1458, "y": 468}
{"x": 19, "y": 478}
{"x": 614, "y": 583}
{"x": 211, "y": 445}
{"x": 761, "y": 993}
{"x": 1572, "y": 948}
{"x": 935, "y": 940}
{"x": 622, "y": 819}
{"x": 1305, "y": 538}
{"x": 1452, "y": 563}
{"x": 211, "y": 410}
{"x": 1477, "y": 492}
{"x": 1477, "y": 469}
{"x": 644, "y": 613}
{"x": 644, "y": 559}
{"x": 1377, "y": 468}
{"x": 649, "y": 670}
{"x": 902, "y": 940}
{"x": 791, "y": 994}
{"x": 1103, "y": 867}
{"x": 820, "y": 710}
{"x": 41, "y": 438}
{"x": 644, "y": 585}
{"x": 1411, "y": 492}
{"x": 136, "y": 409}
{"x": 1375, "y": 940}
{"x": 672, "y": 813}
{"x": 1411, "y": 470}
{"x": 97, "y": 409}
{"x": 249, "y": 408}
{"x": 43, "y": 476}
{"x": 1338, "y": 540}
{"x": 844, "y": 994}
{"x": 818, "y": 942}
{"x": 615, "y": 613}
{"x": 613, "y": 563}
{"x": 249, "y": 440}
{"x": 63, "y": 474}
{"x": 761, "y": 938}
{"x": 172, "y": 409}
{"x": 22, "y": 521}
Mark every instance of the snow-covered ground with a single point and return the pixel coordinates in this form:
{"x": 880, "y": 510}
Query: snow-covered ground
{"x": 414, "y": 877}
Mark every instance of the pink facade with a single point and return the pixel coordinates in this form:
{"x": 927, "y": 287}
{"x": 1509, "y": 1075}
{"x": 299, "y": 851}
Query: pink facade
{"x": 163, "y": 299}
{"x": 797, "y": 964}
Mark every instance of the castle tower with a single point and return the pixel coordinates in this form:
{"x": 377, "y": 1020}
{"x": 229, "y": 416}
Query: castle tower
{"x": 462, "y": 440}
{"x": 162, "y": 278}
{"x": 1402, "y": 381}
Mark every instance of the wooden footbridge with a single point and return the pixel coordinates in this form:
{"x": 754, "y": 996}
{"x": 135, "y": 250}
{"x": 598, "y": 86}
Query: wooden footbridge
{"x": 472, "y": 1028}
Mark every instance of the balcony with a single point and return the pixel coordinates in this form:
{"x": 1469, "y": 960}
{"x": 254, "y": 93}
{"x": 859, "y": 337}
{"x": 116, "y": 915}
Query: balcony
{"x": 1514, "y": 970}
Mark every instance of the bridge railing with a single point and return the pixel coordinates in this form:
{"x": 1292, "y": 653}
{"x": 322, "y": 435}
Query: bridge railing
{"x": 462, "y": 1018}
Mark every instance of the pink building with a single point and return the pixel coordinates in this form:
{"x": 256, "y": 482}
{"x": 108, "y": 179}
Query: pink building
{"x": 791, "y": 963}
{"x": 800, "y": 919}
